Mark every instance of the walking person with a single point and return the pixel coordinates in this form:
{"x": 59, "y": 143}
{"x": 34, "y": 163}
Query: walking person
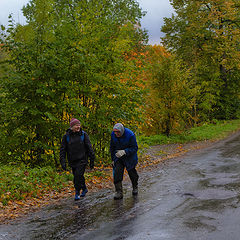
{"x": 77, "y": 147}
{"x": 123, "y": 148}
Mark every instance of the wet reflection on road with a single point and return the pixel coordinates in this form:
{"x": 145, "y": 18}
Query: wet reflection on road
{"x": 195, "y": 197}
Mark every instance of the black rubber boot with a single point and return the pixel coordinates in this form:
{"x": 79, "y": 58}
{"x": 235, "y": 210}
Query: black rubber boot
{"x": 135, "y": 190}
{"x": 119, "y": 192}
{"x": 134, "y": 179}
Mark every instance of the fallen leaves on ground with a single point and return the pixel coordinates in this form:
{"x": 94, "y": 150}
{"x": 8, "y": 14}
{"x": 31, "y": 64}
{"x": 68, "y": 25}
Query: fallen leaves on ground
{"x": 16, "y": 209}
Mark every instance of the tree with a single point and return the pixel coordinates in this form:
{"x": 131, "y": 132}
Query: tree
{"x": 67, "y": 62}
{"x": 170, "y": 97}
{"x": 205, "y": 34}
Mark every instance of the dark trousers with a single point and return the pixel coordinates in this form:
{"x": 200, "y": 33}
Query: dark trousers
{"x": 78, "y": 177}
{"x": 119, "y": 171}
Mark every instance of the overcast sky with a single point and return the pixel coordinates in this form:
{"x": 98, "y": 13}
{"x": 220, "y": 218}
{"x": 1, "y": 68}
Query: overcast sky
{"x": 152, "y": 22}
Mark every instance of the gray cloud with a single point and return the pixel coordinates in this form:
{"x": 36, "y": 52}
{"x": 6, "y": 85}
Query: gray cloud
{"x": 11, "y": 7}
{"x": 152, "y": 22}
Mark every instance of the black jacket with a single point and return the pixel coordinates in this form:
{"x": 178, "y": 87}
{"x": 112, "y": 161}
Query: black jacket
{"x": 77, "y": 151}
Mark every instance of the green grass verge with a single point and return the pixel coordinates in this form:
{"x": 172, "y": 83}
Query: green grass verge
{"x": 20, "y": 182}
{"x": 205, "y": 132}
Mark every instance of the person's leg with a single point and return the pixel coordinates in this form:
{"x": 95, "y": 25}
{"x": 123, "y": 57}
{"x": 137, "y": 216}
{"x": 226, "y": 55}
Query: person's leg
{"x": 81, "y": 177}
{"x": 79, "y": 181}
{"x": 82, "y": 180}
{"x": 134, "y": 179}
{"x": 118, "y": 177}
{"x": 76, "y": 182}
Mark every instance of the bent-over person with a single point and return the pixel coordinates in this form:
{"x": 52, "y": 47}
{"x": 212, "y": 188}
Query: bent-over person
{"x": 123, "y": 148}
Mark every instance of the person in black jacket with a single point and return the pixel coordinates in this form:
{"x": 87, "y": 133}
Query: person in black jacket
{"x": 77, "y": 146}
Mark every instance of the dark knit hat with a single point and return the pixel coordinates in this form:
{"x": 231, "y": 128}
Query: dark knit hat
{"x": 74, "y": 121}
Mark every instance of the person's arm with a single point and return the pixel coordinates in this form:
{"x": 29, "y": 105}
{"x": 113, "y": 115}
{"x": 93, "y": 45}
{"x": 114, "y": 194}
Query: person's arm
{"x": 63, "y": 151}
{"x": 113, "y": 150}
{"x": 132, "y": 147}
{"x": 89, "y": 149}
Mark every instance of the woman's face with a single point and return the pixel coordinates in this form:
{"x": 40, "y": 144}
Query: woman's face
{"x": 76, "y": 127}
{"x": 117, "y": 133}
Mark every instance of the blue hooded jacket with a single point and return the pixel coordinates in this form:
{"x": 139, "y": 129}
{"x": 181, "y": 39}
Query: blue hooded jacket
{"x": 128, "y": 143}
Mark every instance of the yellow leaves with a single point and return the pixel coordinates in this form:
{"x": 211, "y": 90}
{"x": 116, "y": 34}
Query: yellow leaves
{"x": 160, "y": 51}
{"x": 121, "y": 46}
{"x": 100, "y": 178}
{"x": 152, "y": 156}
{"x": 105, "y": 181}
{"x": 19, "y": 203}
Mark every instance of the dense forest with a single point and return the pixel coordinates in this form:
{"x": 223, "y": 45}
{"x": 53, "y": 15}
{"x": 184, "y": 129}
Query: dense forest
{"x": 91, "y": 60}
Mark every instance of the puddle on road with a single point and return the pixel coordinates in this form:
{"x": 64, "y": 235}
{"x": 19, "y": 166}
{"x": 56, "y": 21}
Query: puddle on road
{"x": 200, "y": 223}
{"x": 215, "y": 194}
{"x": 179, "y": 198}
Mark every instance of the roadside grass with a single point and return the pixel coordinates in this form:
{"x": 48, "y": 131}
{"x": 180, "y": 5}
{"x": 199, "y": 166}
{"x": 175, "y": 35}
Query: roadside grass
{"x": 18, "y": 183}
{"x": 218, "y": 130}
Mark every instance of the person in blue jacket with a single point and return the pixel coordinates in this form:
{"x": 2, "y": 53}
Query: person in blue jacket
{"x": 123, "y": 148}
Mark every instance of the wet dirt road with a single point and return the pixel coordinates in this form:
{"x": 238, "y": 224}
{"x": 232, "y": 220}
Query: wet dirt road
{"x": 189, "y": 198}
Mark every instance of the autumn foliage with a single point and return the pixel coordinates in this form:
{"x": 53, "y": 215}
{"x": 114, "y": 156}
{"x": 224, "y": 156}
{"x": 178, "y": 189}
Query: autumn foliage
{"x": 90, "y": 60}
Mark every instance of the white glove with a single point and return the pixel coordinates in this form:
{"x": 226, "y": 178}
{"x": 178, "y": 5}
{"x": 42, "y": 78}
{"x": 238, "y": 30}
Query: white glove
{"x": 120, "y": 153}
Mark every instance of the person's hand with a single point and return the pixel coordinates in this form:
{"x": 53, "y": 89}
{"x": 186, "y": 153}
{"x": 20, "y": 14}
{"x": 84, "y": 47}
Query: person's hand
{"x": 120, "y": 153}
